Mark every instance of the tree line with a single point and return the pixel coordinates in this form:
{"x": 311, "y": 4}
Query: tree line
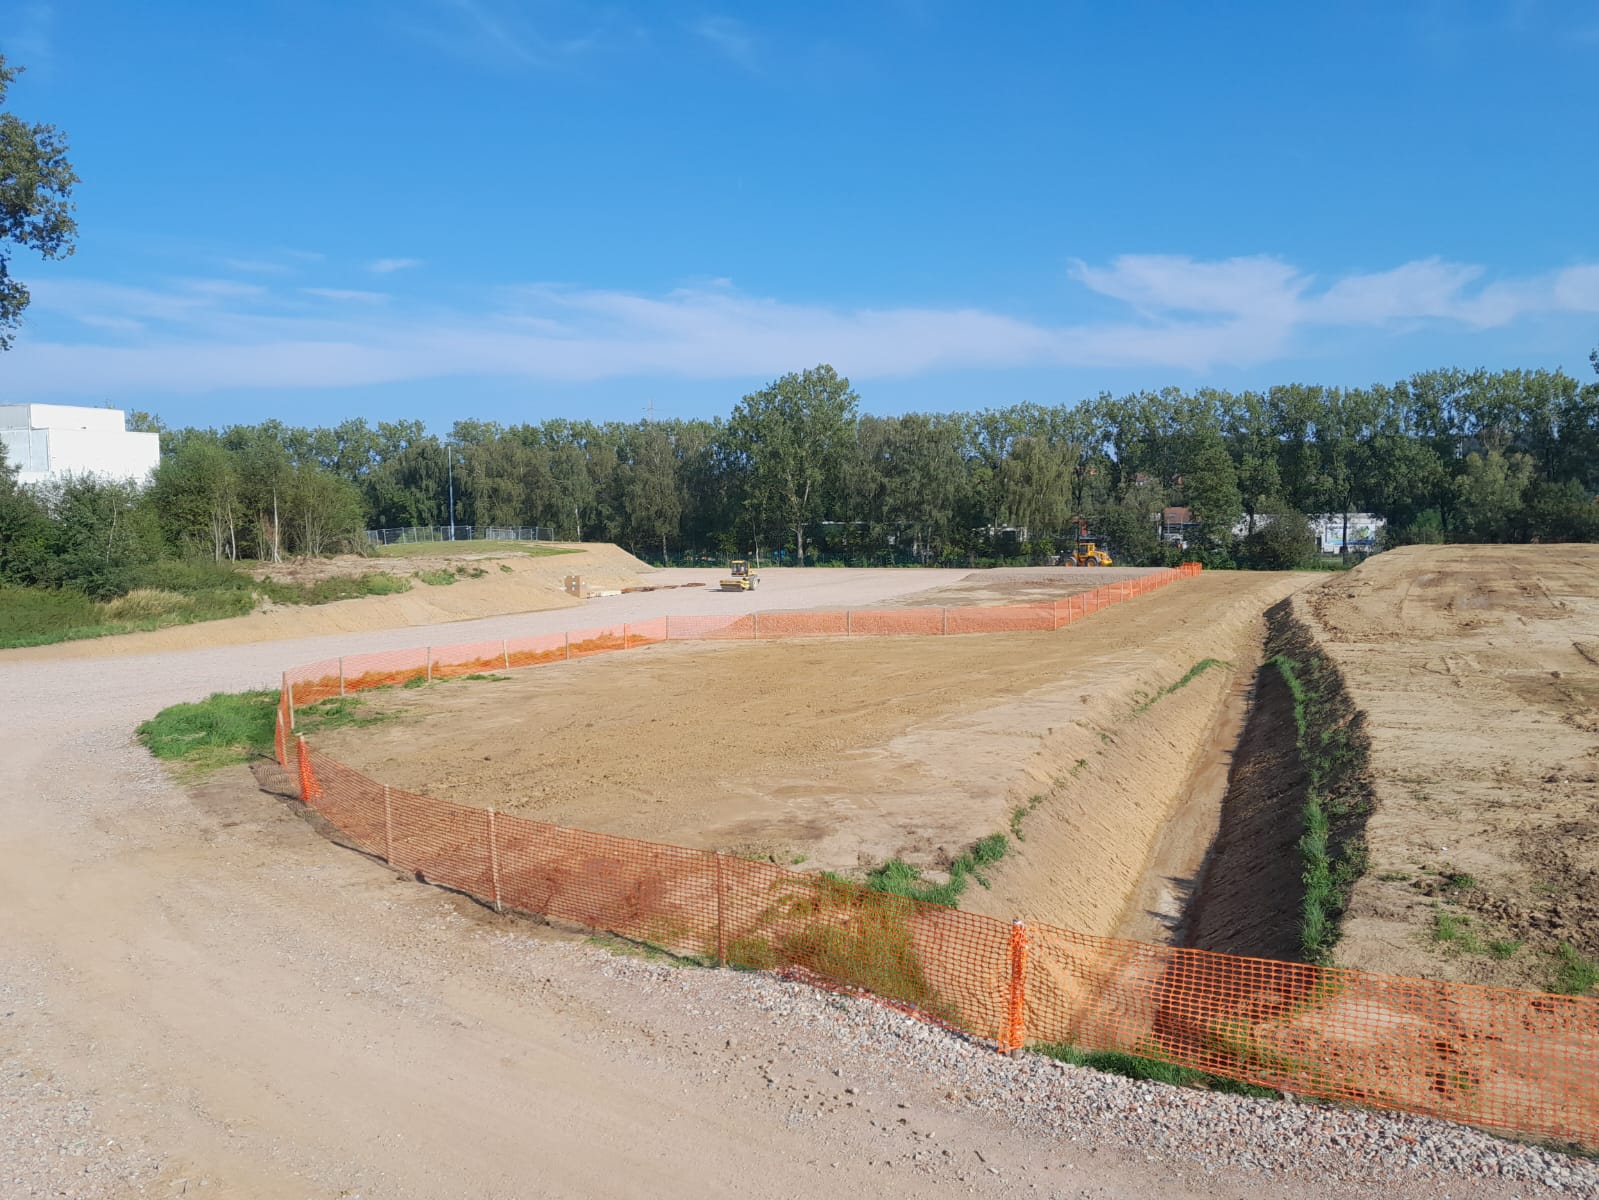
{"x": 799, "y": 473}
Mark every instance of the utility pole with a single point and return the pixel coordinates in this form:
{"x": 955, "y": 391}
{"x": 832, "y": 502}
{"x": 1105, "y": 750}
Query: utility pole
{"x": 449, "y": 460}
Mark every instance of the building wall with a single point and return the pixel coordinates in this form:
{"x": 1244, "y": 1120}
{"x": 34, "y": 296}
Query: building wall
{"x": 49, "y": 441}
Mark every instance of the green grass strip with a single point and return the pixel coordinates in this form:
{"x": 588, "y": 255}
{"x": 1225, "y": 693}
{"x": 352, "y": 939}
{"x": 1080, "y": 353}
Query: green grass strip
{"x": 1194, "y": 672}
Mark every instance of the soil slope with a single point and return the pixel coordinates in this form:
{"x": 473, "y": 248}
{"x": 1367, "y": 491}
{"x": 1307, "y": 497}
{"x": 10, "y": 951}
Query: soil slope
{"x": 1478, "y": 670}
{"x": 528, "y": 585}
{"x": 841, "y": 754}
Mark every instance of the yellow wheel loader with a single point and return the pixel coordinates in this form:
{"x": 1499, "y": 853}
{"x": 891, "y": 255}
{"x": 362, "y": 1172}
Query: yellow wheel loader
{"x": 1089, "y": 554}
{"x": 740, "y": 577}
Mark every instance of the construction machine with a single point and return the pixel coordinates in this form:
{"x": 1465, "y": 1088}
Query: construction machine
{"x": 740, "y": 577}
{"x": 1088, "y": 554}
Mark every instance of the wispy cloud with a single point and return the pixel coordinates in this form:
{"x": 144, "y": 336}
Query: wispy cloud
{"x": 29, "y": 40}
{"x": 347, "y": 295}
{"x": 730, "y": 38}
{"x": 387, "y": 266}
{"x": 253, "y": 266}
{"x": 494, "y": 33}
{"x": 1160, "y": 311}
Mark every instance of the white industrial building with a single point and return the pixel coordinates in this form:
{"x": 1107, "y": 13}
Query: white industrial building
{"x": 51, "y": 441}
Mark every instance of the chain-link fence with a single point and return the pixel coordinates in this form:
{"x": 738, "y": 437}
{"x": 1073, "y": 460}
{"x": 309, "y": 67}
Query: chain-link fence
{"x": 459, "y": 533}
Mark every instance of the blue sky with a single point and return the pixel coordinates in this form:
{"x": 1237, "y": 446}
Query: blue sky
{"x": 517, "y": 209}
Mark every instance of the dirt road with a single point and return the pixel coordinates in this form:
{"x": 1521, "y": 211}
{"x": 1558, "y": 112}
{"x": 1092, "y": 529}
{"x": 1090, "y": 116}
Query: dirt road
{"x": 201, "y": 996}
{"x": 1478, "y": 669}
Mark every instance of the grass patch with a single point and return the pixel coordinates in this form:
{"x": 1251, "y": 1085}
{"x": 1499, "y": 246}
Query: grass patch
{"x": 1194, "y": 672}
{"x": 442, "y": 577}
{"x": 1021, "y": 813}
{"x": 1575, "y": 974}
{"x": 1332, "y": 846}
{"x": 475, "y": 546}
{"x": 898, "y": 878}
{"x": 1158, "y": 1070}
{"x": 1454, "y": 930}
{"x": 340, "y": 587}
{"x": 339, "y": 712}
{"x": 1503, "y": 948}
{"x": 44, "y": 616}
{"x": 223, "y": 729}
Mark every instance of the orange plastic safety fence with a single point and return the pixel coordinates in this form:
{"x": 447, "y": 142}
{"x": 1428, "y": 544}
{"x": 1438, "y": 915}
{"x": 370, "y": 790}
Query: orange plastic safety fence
{"x": 1501, "y": 1058}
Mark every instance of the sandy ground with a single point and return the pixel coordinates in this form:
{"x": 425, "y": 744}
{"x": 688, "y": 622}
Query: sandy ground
{"x": 199, "y": 995}
{"x": 1478, "y": 669}
{"x": 840, "y": 754}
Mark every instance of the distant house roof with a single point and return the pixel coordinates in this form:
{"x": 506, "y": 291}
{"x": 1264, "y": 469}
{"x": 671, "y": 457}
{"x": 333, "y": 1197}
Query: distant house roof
{"x": 1177, "y": 516}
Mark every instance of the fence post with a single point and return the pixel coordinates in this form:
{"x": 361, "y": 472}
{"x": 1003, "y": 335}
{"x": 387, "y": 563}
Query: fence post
{"x": 388, "y": 827}
{"x": 755, "y": 627}
{"x": 721, "y": 925}
{"x": 943, "y": 621}
{"x": 568, "y": 638}
{"x": 430, "y": 664}
{"x": 666, "y": 635}
{"x": 494, "y": 864}
{"x": 309, "y": 788}
{"x": 624, "y": 636}
{"x": 341, "y": 675}
{"x": 278, "y": 750}
{"x": 505, "y": 652}
{"x": 849, "y": 622}
{"x": 1015, "y": 1031}
{"x": 289, "y": 688}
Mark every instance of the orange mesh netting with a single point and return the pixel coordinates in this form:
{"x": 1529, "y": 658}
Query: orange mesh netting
{"x": 1501, "y": 1058}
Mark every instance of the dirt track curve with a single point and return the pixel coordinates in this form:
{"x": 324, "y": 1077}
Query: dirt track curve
{"x": 201, "y": 996}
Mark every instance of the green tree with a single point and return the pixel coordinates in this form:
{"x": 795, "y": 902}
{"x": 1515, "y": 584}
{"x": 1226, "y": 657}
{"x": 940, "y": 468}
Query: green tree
{"x": 1281, "y": 541}
{"x": 1488, "y": 495}
{"x": 649, "y": 486}
{"x": 792, "y": 434}
{"x": 24, "y": 529}
{"x": 35, "y": 200}
{"x": 1211, "y": 484}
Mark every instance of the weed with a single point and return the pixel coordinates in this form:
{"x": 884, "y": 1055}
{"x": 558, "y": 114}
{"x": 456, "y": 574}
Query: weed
{"x": 1575, "y": 975}
{"x": 442, "y": 577}
{"x": 216, "y": 732}
{"x": 899, "y": 878}
{"x": 505, "y": 568}
{"x": 1158, "y": 1070}
{"x": 1332, "y": 845}
{"x": 339, "y": 712}
{"x": 416, "y": 681}
{"x": 1454, "y": 929}
{"x": 1395, "y": 877}
{"x": 1458, "y": 881}
{"x": 1194, "y": 672}
{"x": 1503, "y": 948}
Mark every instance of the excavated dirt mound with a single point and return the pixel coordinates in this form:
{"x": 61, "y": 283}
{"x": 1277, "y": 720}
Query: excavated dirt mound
{"x": 841, "y": 754}
{"x": 526, "y": 584}
{"x": 1475, "y": 667}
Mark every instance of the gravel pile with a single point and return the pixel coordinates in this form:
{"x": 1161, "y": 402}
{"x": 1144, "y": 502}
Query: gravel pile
{"x": 1350, "y": 1151}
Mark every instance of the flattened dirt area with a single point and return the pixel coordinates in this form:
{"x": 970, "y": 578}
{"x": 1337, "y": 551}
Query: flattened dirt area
{"x": 841, "y": 754}
{"x": 1478, "y": 670}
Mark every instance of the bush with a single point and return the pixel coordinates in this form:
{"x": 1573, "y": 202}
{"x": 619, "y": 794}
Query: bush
{"x": 1280, "y": 541}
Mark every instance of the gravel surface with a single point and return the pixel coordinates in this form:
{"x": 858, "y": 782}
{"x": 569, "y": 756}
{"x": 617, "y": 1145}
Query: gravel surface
{"x": 201, "y": 996}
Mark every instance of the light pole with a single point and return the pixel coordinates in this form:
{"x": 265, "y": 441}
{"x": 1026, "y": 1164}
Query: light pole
{"x": 449, "y": 461}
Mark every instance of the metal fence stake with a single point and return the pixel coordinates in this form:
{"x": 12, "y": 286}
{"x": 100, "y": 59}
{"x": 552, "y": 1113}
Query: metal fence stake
{"x": 430, "y": 664}
{"x": 494, "y": 864}
{"x": 721, "y": 923}
{"x": 388, "y": 827}
{"x": 505, "y": 652}
{"x": 341, "y": 675}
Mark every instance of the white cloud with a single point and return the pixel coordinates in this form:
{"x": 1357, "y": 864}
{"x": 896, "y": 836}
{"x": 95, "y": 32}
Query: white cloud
{"x": 387, "y": 266}
{"x": 729, "y": 37}
{"x": 352, "y": 295}
{"x": 1160, "y": 311}
{"x": 254, "y": 266}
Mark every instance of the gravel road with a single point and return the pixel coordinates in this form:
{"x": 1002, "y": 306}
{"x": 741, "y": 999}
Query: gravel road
{"x": 201, "y": 996}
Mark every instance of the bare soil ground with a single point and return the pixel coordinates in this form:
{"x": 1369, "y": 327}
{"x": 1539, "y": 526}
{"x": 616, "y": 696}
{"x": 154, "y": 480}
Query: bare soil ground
{"x": 840, "y": 754}
{"x": 1478, "y": 670}
{"x": 1018, "y": 585}
{"x": 201, "y": 996}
